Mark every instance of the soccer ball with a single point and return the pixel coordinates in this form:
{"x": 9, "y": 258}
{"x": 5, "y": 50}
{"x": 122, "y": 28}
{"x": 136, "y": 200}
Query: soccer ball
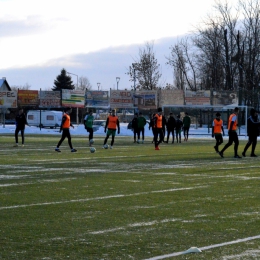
{"x": 92, "y": 149}
{"x": 91, "y": 141}
{"x": 105, "y": 146}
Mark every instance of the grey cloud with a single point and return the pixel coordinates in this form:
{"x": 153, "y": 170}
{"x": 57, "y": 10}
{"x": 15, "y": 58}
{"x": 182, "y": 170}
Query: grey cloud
{"x": 102, "y": 66}
{"x": 30, "y": 25}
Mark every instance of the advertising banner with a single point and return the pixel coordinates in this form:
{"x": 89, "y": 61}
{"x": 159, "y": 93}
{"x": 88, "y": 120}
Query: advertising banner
{"x": 28, "y": 97}
{"x": 121, "y": 99}
{"x": 73, "y": 98}
{"x": 224, "y": 98}
{"x": 8, "y": 99}
{"x": 50, "y": 99}
{"x": 98, "y": 99}
{"x": 201, "y": 97}
{"x": 171, "y": 97}
{"x": 145, "y": 99}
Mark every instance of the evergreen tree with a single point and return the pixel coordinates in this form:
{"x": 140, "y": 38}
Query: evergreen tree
{"x": 63, "y": 81}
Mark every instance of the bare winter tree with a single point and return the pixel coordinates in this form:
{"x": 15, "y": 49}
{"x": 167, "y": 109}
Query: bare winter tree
{"x": 228, "y": 18}
{"x": 183, "y": 63}
{"x": 236, "y": 48}
{"x": 241, "y": 49}
{"x": 145, "y": 72}
{"x": 249, "y": 59}
{"x": 179, "y": 79}
{"x": 209, "y": 57}
{"x": 84, "y": 84}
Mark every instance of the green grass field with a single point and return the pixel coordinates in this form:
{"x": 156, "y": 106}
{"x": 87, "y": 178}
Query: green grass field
{"x": 131, "y": 202}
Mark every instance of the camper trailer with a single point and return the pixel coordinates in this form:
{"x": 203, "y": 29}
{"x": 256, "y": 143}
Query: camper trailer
{"x": 44, "y": 118}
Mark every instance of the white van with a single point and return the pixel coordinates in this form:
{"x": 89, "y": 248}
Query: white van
{"x": 44, "y": 118}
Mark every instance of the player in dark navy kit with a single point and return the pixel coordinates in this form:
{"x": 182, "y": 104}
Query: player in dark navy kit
{"x": 252, "y": 132}
{"x": 20, "y": 122}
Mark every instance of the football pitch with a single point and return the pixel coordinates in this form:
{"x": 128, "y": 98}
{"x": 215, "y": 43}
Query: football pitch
{"x": 130, "y": 202}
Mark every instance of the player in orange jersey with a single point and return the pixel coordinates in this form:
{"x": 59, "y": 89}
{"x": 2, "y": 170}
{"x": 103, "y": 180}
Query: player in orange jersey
{"x": 65, "y": 128}
{"x": 217, "y": 130}
{"x": 112, "y": 124}
{"x": 158, "y": 128}
{"x": 232, "y": 133}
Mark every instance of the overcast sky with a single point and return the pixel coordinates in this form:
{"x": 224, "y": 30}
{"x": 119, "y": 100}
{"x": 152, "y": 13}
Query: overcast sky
{"x": 97, "y": 39}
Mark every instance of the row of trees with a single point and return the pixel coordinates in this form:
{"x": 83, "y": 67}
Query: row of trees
{"x": 225, "y": 55}
{"x": 222, "y": 54}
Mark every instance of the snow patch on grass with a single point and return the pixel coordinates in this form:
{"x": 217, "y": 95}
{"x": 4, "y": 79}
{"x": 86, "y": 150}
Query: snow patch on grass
{"x": 134, "y": 181}
{"x": 8, "y": 177}
{"x": 253, "y": 254}
{"x": 165, "y": 173}
{"x": 134, "y": 225}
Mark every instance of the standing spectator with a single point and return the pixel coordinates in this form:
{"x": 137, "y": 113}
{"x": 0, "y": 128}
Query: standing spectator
{"x": 88, "y": 122}
{"x": 158, "y": 131}
{"x": 135, "y": 126}
{"x": 152, "y": 125}
{"x": 178, "y": 128}
{"x": 171, "y": 123}
{"x": 141, "y": 124}
{"x": 186, "y": 126}
{"x": 164, "y": 124}
{"x": 232, "y": 134}
{"x": 112, "y": 124}
{"x": 217, "y": 130}
{"x": 20, "y": 122}
{"x": 252, "y": 132}
{"x": 65, "y": 128}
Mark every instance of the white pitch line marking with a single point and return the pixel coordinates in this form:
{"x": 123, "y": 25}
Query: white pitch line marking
{"x": 97, "y": 198}
{"x": 206, "y": 247}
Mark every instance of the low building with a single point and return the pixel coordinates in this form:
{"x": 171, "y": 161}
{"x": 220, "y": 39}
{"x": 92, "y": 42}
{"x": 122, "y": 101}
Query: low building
{"x": 4, "y": 86}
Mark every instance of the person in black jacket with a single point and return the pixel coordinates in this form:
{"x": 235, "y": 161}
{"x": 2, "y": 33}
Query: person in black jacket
{"x": 178, "y": 128}
{"x": 252, "y": 132}
{"x": 152, "y": 125}
{"x": 20, "y": 122}
{"x": 135, "y": 126}
{"x": 164, "y": 125}
{"x": 171, "y": 123}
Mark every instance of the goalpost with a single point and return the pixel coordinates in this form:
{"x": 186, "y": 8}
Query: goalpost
{"x": 203, "y": 115}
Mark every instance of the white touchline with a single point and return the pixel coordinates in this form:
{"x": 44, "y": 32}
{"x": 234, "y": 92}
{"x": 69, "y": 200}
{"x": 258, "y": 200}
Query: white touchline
{"x": 97, "y": 198}
{"x": 205, "y": 248}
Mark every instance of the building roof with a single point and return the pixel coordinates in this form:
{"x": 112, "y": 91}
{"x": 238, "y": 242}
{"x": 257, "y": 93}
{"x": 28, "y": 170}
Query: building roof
{"x": 3, "y": 82}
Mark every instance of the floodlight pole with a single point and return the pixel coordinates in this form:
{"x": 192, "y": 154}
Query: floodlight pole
{"x": 76, "y": 76}
{"x": 117, "y": 81}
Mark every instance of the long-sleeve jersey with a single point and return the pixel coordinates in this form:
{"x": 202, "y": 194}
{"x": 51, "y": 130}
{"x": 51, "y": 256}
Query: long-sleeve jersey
{"x": 253, "y": 126}
{"x": 20, "y": 121}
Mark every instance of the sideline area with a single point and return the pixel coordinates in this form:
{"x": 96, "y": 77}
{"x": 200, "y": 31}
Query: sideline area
{"x": 80, "y": 130}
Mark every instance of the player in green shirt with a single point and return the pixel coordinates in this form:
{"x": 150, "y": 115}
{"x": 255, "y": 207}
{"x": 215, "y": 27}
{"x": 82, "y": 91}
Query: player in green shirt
{"x": 88, "y": 122}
